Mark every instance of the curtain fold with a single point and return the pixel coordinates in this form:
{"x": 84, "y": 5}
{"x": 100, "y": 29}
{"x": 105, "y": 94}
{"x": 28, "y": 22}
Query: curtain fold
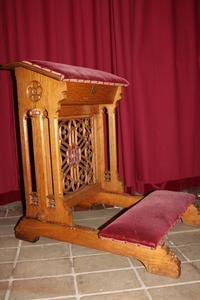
{"x": 154, "y": 44}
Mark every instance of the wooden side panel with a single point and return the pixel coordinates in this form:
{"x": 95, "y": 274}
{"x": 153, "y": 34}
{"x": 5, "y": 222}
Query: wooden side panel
{"x": 39, "y": 99}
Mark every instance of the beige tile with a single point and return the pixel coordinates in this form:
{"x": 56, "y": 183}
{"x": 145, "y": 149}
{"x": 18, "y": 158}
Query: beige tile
{"x": 44, "y": 251}
{"x": 41, "y": 241}
{"x": 182, "y": 292}
{"x": 94, "y": 223}
{"x": 42, "y": 288}
{"x": 78, "y": 250}
{"x": 136, "y": 263}
{"x": 9, "y": 221}
{"x": 188, "y": 273}
{"x": 5, "y": 270}
{"x": 6, "y": 230}
{"x": 7, "y": 254}
{"x": 196, "y": 266}
{"x": 99, "y": 213}
{"x": 100, "y": 262}
{"x": 191, "y": 251}
{"x": 2, "y": 212}
{"x": 185, "y": 238}
{"x": 180, "y": 226}
{"x": 107, "y": 281}
{"x": 136, "y": 295}
{"x": 3, "y": 289}
{"x": 42, "y": 268}
{"x": 8, "y": 241}
{"x": 15, "y": 212}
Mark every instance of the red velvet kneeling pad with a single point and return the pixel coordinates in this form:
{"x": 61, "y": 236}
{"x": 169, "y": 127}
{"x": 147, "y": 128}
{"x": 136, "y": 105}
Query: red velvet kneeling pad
{"x": 149, "y": 220}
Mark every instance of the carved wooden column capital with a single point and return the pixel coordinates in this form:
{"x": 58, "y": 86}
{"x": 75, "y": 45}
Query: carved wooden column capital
{"x": 38, "y": 112}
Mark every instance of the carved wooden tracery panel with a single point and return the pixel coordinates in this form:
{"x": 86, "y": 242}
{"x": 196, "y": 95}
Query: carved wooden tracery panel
{"x": 76, "y": 148}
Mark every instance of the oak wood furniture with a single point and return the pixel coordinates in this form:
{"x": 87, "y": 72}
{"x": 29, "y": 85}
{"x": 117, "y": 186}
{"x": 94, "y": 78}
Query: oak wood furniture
{"x": 68, "y": 141}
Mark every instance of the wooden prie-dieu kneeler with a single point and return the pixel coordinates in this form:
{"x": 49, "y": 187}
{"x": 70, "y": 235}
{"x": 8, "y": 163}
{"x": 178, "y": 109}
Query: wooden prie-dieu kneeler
{"x": 68, "y": 141}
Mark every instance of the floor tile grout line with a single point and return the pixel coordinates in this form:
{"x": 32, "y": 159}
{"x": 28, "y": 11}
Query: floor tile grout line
{"x": 32, "y": 246}
{"x": 11, "y": 234}
{"x": 173, "y": 284}
{"x": 10, "y": 282}
{"x": 7, "y": 235}
{"x": 190, "y": 261}
{"x": 55, "y": 298}
{"x": 7, "y": 295}
{"x": 184, "y": 245}
{"x": 103, "y": 271}
{"x": 77, "y": 274}
{"x": 112, "y": 292}
{"x": 45, "y": 244}
{"x": 38, "y": 277}
{"x": 176, "y": 247}
{"x": 187, "y": 260}
{"x": 67, "y": 274}
{"x": 53, "y": 258}
{"x": 176, "y": 284}
{"x": 140, "y": 279}
{"x": 37, "y": 259}
{"x": 6, "y": 248}
{"x": 125, "y": 290}
{"x": 46, "y": 259}
{"x": 138, "y": 289}
{"x": 73, "y": 273}
{"x": 17, "y": 254}
{"x": 7, "y": 225}
{"x": 183, "y": 231}
{"x": 10, "y": 217}
{"x": 92, "y": 254}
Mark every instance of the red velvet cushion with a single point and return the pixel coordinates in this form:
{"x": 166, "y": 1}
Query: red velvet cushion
{"x": 75, "y": 73}
{"x": 148, "y": 221}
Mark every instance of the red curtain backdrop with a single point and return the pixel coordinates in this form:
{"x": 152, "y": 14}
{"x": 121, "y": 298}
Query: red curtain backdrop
{"x": 154, "y": 44}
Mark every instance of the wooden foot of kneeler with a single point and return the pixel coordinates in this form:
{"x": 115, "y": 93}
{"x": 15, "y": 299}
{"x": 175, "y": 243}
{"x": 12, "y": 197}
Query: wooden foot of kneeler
{"x": 192, "y": 215}
{"x": 161, "y": 260}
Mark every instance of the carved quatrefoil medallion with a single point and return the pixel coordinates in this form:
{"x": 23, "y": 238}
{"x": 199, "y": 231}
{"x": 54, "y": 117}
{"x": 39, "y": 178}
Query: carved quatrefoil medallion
{"x": 34, "y": 91}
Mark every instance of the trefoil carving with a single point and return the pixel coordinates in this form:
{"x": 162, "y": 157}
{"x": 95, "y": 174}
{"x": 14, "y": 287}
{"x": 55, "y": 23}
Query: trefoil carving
{"x": 34, "y": 91}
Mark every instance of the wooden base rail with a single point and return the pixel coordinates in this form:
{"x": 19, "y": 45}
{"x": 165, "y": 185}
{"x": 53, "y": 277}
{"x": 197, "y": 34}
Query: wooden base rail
{"x": 160, "y": 260}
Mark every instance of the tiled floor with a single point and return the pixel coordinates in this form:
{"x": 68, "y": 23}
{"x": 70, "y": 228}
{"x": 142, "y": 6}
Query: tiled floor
{"x": 53, "y": 270}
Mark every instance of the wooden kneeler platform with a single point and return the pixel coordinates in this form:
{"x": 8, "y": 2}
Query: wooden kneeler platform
{"x": 137, "y": 233}
{"x": 67, "y": 117}
{"x": 146, "y": 224}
